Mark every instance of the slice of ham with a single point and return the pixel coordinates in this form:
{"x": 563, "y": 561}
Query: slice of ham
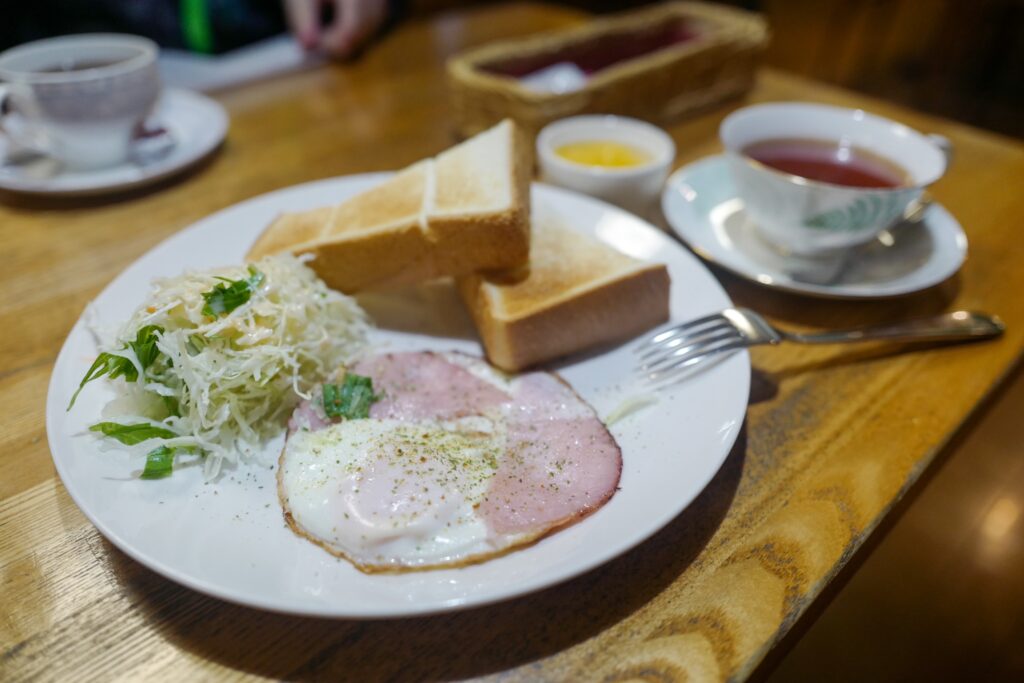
{"x": 306, "y": 415}
{"x": 427, "y": 386}
{"x": 560, "y": 462}
{"x": 413, "y": 386}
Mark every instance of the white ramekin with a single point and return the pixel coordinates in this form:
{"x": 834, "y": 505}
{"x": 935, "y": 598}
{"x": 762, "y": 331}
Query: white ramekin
{"x": 634, "y": 188}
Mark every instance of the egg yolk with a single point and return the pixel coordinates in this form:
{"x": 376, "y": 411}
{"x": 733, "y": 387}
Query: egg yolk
{"x": 603, "y": 153}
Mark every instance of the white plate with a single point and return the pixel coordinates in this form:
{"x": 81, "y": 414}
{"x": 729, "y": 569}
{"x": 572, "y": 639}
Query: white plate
{"x": 195, "y": 122}
{"x": 701, "y": 206}
{"x": 228, "y": 538}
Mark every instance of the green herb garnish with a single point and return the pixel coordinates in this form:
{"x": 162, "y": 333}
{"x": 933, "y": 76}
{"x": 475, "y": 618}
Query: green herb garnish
{"x": 223, "y": 299}
{"x": 113, "y": 366}
{"x": 160, "y": 460}
{"x": 110, "y": 365}
{"x": 145, "y": 345}
{"x": 133, "y": 433}
{"x": 351, "y": 400}
{"x": 159, "y": 463}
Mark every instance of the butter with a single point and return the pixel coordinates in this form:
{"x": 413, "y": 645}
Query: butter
{"x": 603, "y": 153}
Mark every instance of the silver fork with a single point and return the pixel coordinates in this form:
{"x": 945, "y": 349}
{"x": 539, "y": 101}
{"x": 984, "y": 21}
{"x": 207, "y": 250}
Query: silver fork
{"x": 674, "y": 352}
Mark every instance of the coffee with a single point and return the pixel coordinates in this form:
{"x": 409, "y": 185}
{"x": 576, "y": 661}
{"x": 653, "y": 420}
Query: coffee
{"x": 84, "y": 65}
{"x": 828, "y": 162}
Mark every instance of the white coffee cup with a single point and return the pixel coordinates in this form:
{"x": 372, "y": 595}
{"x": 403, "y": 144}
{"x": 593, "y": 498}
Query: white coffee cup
{"x": 79, "y": 98}
{"x": 806, "y": 216}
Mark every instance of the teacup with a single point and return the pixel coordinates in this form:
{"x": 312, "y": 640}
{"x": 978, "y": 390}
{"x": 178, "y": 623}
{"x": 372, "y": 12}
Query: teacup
{"x": 79, "y": 98}
{"x": 816, "y": 178}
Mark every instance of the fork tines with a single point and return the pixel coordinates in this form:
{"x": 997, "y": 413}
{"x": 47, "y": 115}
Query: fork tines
{"x": 665, "y": 336}
{"x": 670, "y": 354}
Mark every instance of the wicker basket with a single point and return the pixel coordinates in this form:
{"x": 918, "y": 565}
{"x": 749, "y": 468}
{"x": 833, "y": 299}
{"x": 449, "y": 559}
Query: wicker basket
{"x": 715, "y": 60}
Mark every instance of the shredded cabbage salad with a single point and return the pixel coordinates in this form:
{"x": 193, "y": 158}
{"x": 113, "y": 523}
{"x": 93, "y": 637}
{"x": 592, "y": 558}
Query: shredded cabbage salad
{"x": 214, "y": 362}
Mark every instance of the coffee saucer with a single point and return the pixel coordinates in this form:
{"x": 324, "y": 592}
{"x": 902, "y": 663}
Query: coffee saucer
{"x": 701, "y": 206}
{"x": 188, "y": 125}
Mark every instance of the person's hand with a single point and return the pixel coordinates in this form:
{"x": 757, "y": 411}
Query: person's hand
{"x": 354, "y": 23}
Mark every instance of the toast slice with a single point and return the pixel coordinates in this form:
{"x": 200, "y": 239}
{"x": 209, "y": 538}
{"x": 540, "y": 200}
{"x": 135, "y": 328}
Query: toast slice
{"x": 376, "y": 237}
{"x": 466, "y": 210}
{"x": 479, "y": 210}
{"x": 576, "y": 293}
{"x": 290, "y": 229}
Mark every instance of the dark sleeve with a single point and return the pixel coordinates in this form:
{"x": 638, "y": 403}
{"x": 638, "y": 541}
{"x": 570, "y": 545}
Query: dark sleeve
{"x": 36, "y": 19}
{"x": 233, "y": 23}
{"x": 240, "y": 22}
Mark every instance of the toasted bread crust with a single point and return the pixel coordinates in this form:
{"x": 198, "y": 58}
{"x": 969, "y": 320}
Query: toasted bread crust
{"x": 372, "y": 260}
{"x": 521, "y": 326}
{"x": 290, "y": 230}
{"x": 460, "y": 247}
{"x": 396, "y": 203}
{"x": 391, "y": 235}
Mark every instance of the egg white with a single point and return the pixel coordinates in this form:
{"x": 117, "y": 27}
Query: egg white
{"x": 388, "y": 494}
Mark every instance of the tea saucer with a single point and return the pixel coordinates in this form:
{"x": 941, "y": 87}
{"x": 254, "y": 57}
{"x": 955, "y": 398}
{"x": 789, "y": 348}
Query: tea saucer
{"x": 701, "y": 206}
{"x": 194, "y": 124}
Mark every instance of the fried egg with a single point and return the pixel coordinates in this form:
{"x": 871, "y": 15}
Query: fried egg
{"x": 456, "y": 463}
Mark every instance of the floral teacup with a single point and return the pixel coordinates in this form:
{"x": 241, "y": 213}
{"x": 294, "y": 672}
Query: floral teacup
{"x": 806, "y": 216}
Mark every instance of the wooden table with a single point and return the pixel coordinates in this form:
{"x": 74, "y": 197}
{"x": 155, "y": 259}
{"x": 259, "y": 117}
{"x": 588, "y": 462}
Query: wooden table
{"x": 834, "y": 436}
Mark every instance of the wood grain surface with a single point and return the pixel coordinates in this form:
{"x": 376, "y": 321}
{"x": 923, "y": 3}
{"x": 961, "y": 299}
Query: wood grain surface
{"x": 834, "y": 435}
